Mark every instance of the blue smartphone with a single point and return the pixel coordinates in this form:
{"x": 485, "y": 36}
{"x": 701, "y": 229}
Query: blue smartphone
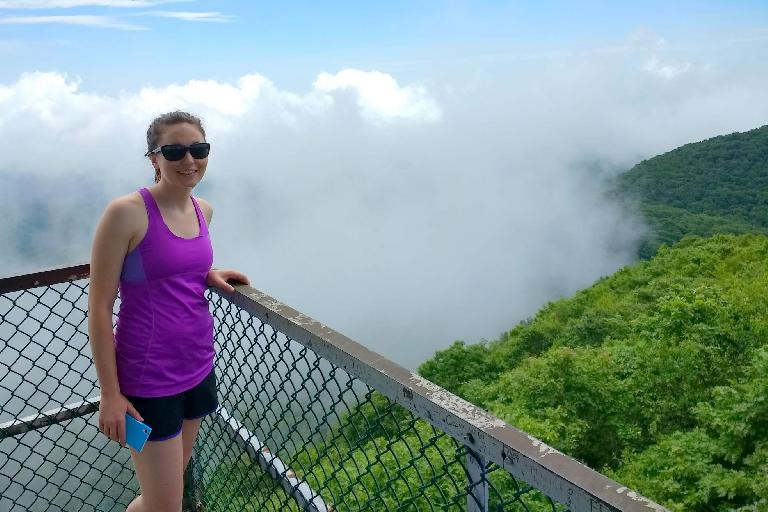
{"x": 136, "y": 433}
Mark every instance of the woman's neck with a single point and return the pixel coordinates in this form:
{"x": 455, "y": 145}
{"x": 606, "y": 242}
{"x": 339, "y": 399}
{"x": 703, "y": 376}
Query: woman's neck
{"x": 170, "y": 196}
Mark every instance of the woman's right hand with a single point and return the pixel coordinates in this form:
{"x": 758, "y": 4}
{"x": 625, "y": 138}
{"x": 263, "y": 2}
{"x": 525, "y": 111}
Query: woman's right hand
{"x": 112, "y": 409}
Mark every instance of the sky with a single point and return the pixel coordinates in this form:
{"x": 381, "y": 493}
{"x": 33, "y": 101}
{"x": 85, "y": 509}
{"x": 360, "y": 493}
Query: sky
{"x": 159, "y": 42}
{"x": 409, "y": 173}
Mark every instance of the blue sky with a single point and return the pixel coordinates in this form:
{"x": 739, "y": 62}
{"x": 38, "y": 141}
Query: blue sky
{"x": 116, "y": 47}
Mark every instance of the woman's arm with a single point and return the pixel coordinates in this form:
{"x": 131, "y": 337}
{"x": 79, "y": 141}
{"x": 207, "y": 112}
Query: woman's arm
{"x": 110, "y": 245}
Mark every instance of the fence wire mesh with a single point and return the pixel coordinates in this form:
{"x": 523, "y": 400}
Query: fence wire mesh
{"x": 293, "y": 431}
{"x": 353, "y": 447}
{"x": 45, "y": 363}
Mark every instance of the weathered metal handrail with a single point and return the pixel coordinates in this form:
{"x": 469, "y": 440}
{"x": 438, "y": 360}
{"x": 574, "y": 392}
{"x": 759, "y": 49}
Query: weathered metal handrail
{"x": 558, "y": 476}
{"x": 486, "y": 439}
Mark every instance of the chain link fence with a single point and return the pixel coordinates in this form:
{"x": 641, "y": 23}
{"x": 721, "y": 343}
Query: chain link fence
{"x": 308, "y": 420}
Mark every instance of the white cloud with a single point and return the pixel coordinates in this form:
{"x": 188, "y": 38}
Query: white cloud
{"x": 667, "y": 71}
{"x": 405, "y": 215}
{"x": 379, "y": 96}
{"x": 218, "y": 99}
{"x": 84, "y": 20}
{"x": 56, "y": 4}
{"x": 193, "y": 16}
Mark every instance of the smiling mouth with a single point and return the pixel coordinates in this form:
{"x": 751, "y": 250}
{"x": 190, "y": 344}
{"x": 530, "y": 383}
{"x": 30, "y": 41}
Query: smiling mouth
{"x": 187, "y": 173}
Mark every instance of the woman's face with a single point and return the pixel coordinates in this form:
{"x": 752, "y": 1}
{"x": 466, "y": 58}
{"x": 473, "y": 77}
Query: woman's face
{"x": 186, "y": 172}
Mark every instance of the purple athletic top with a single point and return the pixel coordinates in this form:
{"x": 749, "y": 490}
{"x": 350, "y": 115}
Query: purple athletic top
{"x": 164, "y": 334}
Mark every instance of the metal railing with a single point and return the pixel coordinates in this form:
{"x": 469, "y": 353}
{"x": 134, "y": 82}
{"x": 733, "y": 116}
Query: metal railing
{"x": 308, "y": 420}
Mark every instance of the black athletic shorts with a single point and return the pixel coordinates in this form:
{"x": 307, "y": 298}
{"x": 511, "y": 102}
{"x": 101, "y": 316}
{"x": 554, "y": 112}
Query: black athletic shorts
{"x": 166, "y": 413}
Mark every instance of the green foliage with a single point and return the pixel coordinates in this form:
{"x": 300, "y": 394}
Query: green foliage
{"x": 378, "y": 457}
{"x": 567, "y": 394}
{"x": 657, "y": 374}
{"x": 240, "y": 485}
{"x": 719, "y": 185}
{"x": 457, "y": 364}
{"x": 722, "y": 463}
{"x": 669, "y": 225}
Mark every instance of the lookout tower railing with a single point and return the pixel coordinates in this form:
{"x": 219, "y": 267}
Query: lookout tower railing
{"x": 308, "y": 420}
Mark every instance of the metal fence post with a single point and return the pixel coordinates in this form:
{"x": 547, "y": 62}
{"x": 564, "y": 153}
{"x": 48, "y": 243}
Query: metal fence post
{"x": 477, "y": 483}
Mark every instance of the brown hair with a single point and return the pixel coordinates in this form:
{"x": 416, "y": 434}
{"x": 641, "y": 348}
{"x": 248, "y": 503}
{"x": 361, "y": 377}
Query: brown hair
{"x": 155, "y": 129}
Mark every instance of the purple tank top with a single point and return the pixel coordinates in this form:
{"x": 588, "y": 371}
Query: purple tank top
{"x": 164, "y": 334}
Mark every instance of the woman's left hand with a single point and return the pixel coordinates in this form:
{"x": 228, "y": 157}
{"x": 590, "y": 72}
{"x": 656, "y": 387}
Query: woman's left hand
{"x": 219, "y": 278}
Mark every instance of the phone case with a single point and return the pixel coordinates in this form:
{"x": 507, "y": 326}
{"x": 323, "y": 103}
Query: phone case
{"x": 136, "y": 432}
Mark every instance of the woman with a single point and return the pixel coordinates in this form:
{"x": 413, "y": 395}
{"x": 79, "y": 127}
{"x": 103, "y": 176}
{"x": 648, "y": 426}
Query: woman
{"x": 157, "y": 366}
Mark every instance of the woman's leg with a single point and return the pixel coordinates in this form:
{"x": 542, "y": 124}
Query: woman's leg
{"x": 160, "y": 471}
{"x": 199, "y": 402}
{"x": 189, "y": 431}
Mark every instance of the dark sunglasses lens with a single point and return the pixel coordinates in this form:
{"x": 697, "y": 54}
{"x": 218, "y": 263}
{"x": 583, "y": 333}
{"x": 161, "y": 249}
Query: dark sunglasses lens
{"x": 173, "y": 152}
{"x": 199, "y": 150}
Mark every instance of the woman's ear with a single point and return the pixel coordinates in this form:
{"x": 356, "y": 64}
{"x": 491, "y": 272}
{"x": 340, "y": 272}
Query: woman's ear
{"x": 155, "y": 166}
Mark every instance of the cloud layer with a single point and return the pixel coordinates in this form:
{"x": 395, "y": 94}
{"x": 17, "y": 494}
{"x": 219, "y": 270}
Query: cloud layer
{"x": 406, "y": 215}
{"x": 83, "y": 20}
{"x": 102, "y": 21}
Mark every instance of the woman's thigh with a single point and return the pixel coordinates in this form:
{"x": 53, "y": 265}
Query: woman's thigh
{"x": 159, "y": 470}
{"x": 188, "y": 436}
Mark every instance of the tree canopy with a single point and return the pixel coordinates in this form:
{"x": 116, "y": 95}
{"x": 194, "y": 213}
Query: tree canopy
{"x": 669, "y": 356}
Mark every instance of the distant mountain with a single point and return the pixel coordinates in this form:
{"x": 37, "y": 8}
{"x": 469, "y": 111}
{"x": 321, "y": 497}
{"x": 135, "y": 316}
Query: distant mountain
{"x": 719, "y": 185}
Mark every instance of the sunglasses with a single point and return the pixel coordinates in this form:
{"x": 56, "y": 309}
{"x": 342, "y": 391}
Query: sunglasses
{"x": 175, "y": 152}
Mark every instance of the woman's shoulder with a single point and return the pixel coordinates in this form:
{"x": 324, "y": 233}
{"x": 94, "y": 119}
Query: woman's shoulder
{"x": 123, "y": 220}
{"x": 127, "y": 209}
{"x": 205, "y": 207}
{"x": 127, "y": 204}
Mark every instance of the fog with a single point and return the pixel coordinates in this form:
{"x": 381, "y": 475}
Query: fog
{"x": 405, "y": 213}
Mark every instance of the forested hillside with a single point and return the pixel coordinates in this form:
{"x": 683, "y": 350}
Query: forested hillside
{"x": 719, "y": 185}
{"x": 657, "y": 375}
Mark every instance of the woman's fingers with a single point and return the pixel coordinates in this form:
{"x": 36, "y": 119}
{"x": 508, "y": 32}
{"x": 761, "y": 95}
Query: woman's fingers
{"x": 114, "y": 430}
{"x": 221, "y": 282}
{"x": 108, "y": 431}
{"x": 134, "y": 412}
{"x": 219, "y": 279}
{"x": 239, "y": 276}
{"x": 121, "y": 433}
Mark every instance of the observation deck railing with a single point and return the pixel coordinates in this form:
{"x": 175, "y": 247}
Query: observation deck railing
{"x": 308, "y": 420}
